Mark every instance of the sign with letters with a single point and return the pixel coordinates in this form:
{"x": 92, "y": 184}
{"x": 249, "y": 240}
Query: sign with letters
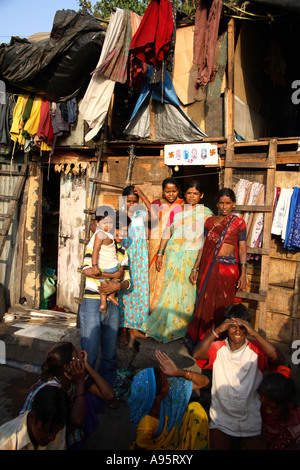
{"x": 191, "y": 154}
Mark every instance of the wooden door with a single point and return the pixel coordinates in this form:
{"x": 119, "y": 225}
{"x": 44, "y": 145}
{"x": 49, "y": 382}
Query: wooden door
{"x": 71, "y": 230}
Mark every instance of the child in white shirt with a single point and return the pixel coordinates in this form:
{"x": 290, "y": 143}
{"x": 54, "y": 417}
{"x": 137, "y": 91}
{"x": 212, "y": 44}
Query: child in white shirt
{"x": 104, "y": 256}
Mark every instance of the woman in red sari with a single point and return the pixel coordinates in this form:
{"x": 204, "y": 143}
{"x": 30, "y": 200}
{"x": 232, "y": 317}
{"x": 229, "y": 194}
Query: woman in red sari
{"x": 222, "y": 268}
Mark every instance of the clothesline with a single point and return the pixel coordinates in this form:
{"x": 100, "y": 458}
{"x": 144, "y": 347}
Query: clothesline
{"x": 29, "y": 121}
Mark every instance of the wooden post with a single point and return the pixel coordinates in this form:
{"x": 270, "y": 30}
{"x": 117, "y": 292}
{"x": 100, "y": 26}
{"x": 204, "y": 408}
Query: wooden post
{"x": 230, "y": 104}
{"x": 268, "y": 217}
{"x": 31, "y": 269}
{"x": 230, "y": 92}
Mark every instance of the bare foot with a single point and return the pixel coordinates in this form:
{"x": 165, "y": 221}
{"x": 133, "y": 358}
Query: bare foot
{"x": 113, "y": 299}
{"x": 137, "y": 334}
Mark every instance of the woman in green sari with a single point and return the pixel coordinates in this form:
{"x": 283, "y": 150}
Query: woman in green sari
{"x": 181, "y": 240}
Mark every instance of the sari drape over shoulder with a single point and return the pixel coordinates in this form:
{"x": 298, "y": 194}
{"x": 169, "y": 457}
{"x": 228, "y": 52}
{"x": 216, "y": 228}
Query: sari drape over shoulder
{"x": 156, "y": 278}
{"x": 174, "y": 310}
{"x": 217, "y": 277}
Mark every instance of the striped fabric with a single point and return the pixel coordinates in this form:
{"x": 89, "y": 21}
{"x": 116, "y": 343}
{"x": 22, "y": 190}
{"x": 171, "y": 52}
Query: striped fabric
{"x": 116, "y": 63}
{"x": 91, "y": 285}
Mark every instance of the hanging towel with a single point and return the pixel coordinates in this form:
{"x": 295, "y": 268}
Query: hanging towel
{"x": 292, "y": 241}
{"x": 281, "y": 212}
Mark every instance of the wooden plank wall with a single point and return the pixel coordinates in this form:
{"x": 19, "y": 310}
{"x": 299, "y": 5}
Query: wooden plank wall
{"x": 283, "y": 307}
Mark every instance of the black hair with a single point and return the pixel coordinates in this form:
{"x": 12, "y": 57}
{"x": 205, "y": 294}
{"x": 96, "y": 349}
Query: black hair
{"x": 278, "y": 389}
{"x": 193, "y": 184}
{"x": 157, "y": 373}
{"x": 122, "y": 219}
{"x": 226, "y": 192}
{"x": 237, "y": 311}
{"x": 128, "y": 191}
{"x": 58, "y": 355}
{"x": 170, "y": 180}
{"x": 104, "y": 211}
{"x": 51, "y": 405}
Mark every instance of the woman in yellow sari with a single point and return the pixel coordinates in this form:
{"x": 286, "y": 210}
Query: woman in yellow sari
{"x": 161, "y": 410}
{"x": 163, "y": 210}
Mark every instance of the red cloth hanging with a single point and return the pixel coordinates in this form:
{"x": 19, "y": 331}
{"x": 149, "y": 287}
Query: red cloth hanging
{"x": 152, "y": 40}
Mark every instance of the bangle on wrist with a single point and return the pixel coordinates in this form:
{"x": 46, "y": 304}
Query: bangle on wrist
{"x": 195, "y": 269}
{"x": 243, "y": 264}
{"x": 95, "y": 265}
{"x": 215, "y": 334}
{"x": 189, "y": 375}
{"x": 161, "y": 252}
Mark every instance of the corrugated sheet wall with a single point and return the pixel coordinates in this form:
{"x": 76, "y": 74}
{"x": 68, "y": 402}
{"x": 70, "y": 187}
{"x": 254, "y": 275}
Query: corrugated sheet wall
{"x": 8, "y": 259}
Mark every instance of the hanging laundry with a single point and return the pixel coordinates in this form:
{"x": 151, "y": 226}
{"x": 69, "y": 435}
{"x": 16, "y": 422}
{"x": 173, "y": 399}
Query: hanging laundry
{"x": 44, "y": 137}
{"x": 255, "y": 220}
{"x": 154, "y": 41}
{"x": 292, "y": 241}
{"x": 116, "y": 63}
{"x": 31, "y": 124}
{"x": 6, "y": 118}
{"x": 281, "y": 212}
{"x": 251, "y": 193}
{"x": 69, "y": 110}
{"x": 95, "y": 103}
{"x": 207, "y": 21}
{"x": 18, "y": 123}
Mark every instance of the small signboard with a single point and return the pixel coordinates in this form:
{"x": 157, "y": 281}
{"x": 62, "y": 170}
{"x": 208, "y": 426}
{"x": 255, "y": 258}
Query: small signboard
{"x": 191, "y": 154}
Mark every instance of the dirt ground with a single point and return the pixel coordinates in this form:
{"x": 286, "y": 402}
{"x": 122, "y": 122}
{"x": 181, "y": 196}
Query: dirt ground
{"x": 115, "y": 431}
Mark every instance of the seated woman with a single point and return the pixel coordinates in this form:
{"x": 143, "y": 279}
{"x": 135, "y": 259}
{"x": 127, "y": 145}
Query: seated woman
{"x": 68, "y": 369}
{"x": 160, "y": 409}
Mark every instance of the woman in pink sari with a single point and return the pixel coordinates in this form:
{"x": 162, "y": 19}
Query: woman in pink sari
{"x": 164, "y": 210}
{"x": 222, "y": 268}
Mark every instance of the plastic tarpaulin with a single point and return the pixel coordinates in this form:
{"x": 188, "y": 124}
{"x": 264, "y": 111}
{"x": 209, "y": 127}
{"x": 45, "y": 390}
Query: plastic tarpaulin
{"x": 59, "y": 66}
{"x": 172, "y": 122}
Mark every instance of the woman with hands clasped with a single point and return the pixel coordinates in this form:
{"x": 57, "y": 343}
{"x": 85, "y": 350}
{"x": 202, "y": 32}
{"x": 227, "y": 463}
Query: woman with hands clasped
{"x": 237, "y": 364}
{"x": 67, "y": 368}
{"x": 160, "y": 408}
